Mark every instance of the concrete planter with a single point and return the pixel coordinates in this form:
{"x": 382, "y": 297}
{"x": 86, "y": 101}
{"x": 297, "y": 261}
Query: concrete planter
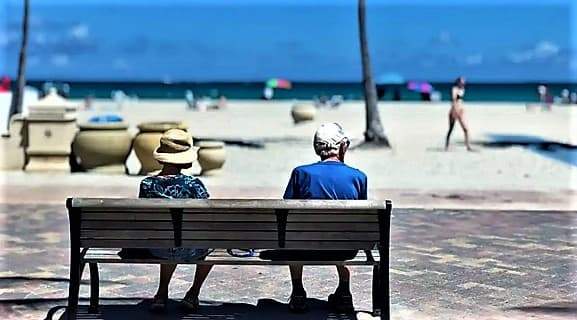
{"x": 103, "y": 147}
{"x": 303, "y": 112}
{"x": 50, "y": 129}
{"x": 12, "y": 152}
{"x": 211, "y": 157}
{"x": 148, "y": 139}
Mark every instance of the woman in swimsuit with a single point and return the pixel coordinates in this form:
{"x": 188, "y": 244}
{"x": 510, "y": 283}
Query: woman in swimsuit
{"x": 457, "y": 112}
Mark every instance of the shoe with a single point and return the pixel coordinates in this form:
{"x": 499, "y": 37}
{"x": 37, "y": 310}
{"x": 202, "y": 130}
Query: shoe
{"x": 191, "y": 304}
{"x": 298, "y": 303}
{"x": 158, "y": 304}
{"x": 342, "y": 302}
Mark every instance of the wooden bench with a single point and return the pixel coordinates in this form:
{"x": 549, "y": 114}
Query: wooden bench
{"x": 99, "y": 227}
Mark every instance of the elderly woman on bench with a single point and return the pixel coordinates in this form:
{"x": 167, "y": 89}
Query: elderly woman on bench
{"x": 176, "y": 152}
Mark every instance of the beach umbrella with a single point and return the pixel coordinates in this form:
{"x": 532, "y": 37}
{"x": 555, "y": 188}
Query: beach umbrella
{"x": 390, "y": 78}
{"x": 277, "y": 83}
{"x": 420, "y": 86}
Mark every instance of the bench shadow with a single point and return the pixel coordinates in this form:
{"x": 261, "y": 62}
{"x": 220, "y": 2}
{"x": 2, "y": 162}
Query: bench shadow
{"x": 265, "y": 309}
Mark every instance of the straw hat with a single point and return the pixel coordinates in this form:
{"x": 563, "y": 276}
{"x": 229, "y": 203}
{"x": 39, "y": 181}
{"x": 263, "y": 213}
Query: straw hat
{"x": 176, "y": 148}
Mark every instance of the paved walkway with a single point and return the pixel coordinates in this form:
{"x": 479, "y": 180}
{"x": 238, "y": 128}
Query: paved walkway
{"x": 445, "y": 264}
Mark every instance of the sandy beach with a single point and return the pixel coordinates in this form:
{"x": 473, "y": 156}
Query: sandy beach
{"x": 416, "y": 172}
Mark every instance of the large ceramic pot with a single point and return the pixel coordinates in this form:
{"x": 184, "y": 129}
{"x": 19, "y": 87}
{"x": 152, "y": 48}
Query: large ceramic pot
{"x": 303, "y": 112}
{"x": 211, "y": 156}
{"x": 103, "y": 146}
{"x": 148, "y": 139}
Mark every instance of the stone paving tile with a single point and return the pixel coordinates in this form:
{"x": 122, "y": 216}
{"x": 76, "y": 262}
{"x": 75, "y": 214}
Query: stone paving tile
{"x": 445, "y": 264}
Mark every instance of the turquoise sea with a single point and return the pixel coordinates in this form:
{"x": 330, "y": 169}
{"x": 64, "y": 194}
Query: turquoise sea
{"x": 522, "y": 92}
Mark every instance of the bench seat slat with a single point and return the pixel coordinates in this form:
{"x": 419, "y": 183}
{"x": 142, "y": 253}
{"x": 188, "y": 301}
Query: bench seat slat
{"x": 328, "y": 236}
{"x": 162, "y": 234}
{"x": 220, "y": 257}
{"x": 316, "y": 218}
{"x": 227, "y": 226}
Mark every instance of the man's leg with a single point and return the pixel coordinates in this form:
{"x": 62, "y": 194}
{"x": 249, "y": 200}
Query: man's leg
{"x": 342, "y": 300}
{"x": 344, "y": 280}
{"x": 297, "y": 303}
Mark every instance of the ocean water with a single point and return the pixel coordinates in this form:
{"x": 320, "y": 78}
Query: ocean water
{"x": 301, "y": 90}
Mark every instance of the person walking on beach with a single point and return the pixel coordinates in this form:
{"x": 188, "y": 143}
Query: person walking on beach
{"x": 457, "y": 112}
{"x": 328, "y": 179}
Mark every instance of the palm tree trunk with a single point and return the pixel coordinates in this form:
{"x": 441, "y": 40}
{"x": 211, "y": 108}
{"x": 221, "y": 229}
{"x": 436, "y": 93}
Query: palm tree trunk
{"x": 18, "y": 92}
{"x": 374, "y": 134}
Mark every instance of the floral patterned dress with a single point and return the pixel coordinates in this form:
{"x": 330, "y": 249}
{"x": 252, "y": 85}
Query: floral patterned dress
{"x": 175, "y": 187}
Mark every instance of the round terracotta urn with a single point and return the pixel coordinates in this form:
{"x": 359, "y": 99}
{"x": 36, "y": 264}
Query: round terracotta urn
{"x": 303, "y": 112}
{"x": 148, "y": 139}
{"x": 103, "y": 147}
{"x": 211, "y": 157}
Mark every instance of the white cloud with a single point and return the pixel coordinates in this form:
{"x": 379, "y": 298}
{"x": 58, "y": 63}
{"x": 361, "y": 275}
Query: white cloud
{"x": 545, "y": 49}
{"x": 79, "y": 32}
{"x": 474, "y": 59}
{"x": 60, "y": 60}
{"x": 541, "y": 50}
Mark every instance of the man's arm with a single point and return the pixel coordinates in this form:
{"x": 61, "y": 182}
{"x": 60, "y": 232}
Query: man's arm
{"x": 363, "y": 194}
{"x": 291, "y": 191}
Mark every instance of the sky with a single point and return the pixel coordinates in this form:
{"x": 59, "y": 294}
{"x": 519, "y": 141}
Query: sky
{"x": 302, "y": 40}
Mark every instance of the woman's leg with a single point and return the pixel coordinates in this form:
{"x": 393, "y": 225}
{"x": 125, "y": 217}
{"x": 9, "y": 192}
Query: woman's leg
{"x": 297, "y": 279}
{"x": 451, "y": 126}
{"x": 200, "y": 276}
{"x": 465, "y": 131}
{"x": 166, "y": 271}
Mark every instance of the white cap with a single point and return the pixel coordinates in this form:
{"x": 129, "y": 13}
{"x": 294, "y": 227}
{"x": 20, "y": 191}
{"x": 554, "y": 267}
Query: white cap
{"x": 329, "y": 137}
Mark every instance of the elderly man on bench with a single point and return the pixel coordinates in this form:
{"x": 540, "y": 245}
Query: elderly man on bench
{"x": 328, "y": 179}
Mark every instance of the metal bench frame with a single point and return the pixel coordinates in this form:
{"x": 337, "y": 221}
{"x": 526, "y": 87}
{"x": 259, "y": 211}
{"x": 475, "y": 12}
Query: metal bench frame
{"x": 96, "y": 250}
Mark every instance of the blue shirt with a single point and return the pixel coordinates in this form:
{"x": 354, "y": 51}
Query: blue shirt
{"x": 327, "y": 180}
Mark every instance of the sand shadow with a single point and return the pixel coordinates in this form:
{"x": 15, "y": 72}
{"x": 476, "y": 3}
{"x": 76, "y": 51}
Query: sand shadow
{"x": 266, "y": 309}
{"x": 562, "y": 152}
{"x": 559, "y": 308}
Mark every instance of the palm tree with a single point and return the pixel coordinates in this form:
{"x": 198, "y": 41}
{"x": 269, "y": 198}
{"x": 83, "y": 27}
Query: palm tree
{"x": 18, "y": 92}
{"x": 374, "y": 134}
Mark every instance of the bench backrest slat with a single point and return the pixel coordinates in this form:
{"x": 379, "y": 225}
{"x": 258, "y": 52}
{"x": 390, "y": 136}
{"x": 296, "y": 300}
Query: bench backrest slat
{"x": 260, "y": 224}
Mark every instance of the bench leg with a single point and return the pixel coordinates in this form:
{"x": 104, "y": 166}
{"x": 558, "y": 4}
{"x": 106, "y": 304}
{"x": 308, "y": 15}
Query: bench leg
{"x": 384, "y": 290}
{"x": 377, "y": 307}
{"x": 94, "y": 288}
{"x": 76, "y": 269}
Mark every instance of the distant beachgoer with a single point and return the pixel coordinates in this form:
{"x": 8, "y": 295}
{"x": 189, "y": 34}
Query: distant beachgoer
{"x": 397, "y": 94}
{"x": 542, "y": 92}
{"x": 222, "y": 103}
{"x": 176, "y": 152}
{"x": 190, "y": 100}
{"x": 267, "y": 93}
{"x": 5, "y": 84}
{"x": 457, "y": 112}
{"x": 88, "y": 101}
{"x": 573, "y": 97}
{"x": 565, "y": 99}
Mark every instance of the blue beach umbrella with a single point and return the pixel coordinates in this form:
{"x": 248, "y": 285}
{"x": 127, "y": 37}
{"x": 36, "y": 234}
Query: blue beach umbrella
{"x": 390, "y": 78}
